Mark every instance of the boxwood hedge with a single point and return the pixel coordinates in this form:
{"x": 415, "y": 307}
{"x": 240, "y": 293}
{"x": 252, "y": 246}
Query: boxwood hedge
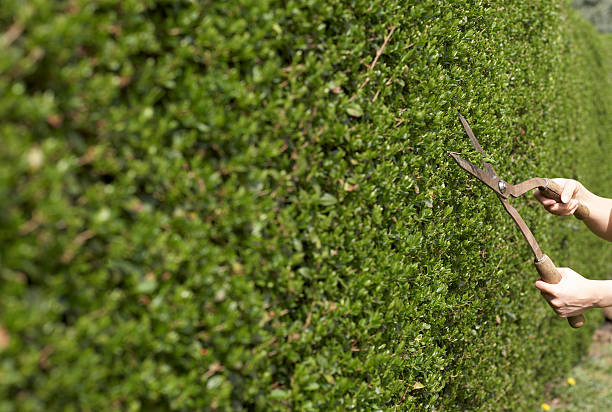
{"x": 249, "y": 205}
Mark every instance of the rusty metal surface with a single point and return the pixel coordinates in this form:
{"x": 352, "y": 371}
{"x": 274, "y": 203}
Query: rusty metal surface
{"x": 526, "y": 186}
{"x": 501, "y": 188}
{"x": 547, "y": 270}
{"x": 533, "y": 244}
{"x": 476, "y": 144}
{"x": 484, "y": 177}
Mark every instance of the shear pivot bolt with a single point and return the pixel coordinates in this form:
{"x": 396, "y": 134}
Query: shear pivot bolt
{"x": 502, "y": 186}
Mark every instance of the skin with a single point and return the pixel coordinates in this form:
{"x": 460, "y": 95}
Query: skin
{"x": 575, "y": 293}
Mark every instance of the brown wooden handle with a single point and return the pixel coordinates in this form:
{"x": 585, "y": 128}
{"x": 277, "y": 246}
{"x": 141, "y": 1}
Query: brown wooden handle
{"x": 549, "y": 274}
{"x": 553, "y": 191}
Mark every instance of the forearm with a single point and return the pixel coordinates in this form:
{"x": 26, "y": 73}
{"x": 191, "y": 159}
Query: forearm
{"x": 601, "y": 293}
{"x": 600, "y": 208}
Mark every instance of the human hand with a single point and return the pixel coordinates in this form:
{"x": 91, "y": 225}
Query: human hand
{"x": 572, "y": 295}
{"x": 571, "y": 192}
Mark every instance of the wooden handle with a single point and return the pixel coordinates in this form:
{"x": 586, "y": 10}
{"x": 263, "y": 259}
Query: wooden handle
{"x": 549, "y": 274}
{"x": 553, "y": 191}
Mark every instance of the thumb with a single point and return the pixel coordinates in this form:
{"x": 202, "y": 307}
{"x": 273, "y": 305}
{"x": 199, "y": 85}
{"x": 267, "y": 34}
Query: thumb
{"x": 545, "y": 287}
{"x": 568, "y": 191}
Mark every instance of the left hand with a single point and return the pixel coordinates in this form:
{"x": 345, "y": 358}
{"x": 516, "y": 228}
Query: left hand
{"x": 573, "y": 295}
{"x": 572, "y": 190}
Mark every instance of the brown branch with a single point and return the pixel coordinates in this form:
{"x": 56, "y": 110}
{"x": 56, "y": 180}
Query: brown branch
{"x": 11, "y": 34}
{"x": 382, "y": 48}
{"x": 380, "y": 51}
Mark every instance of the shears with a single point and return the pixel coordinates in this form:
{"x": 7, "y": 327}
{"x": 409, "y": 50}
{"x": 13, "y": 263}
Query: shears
{"x": 544, "y": 265}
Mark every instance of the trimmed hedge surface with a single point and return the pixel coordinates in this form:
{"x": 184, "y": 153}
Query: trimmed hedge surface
{"x": 249, "y": 205}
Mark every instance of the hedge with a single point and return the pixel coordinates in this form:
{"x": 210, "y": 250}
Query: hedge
{"x": 249, "y": 205}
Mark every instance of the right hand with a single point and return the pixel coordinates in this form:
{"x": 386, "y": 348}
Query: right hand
{"x": 572, "y": 295}
{"x": 571, "y": 189}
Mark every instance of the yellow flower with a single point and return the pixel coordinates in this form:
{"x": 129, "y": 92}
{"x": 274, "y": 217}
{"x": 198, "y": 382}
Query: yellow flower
{"x": 545, "y": 406}
{"x": 571, "y": 381}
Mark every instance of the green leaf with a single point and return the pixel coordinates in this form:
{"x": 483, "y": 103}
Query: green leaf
{"x": 327, "y": 200}
{"x": 279, "y": 394}
{"x": 312, "y": 386}
{"x": 355, "y": 110}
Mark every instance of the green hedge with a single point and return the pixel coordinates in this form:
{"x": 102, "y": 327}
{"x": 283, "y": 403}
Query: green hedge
{"x": 249, "y": 205}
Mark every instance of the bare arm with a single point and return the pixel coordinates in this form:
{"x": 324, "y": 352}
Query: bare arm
{"x": 600, "y": 218}
{"x": 575, "y": 293}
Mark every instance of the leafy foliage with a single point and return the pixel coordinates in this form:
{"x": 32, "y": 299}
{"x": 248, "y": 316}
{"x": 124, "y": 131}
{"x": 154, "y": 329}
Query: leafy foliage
{"x": 250, "y": 204}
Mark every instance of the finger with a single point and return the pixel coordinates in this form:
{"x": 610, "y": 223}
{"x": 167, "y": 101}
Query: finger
{"x": 545, "y": 288}
{"x": 543, "y": 199}
{"x": 550, "y": 211}
{"x": 568, "y": 191}
{"x": 547, "y": 201}
{"x": 563, "y": 312}
{"x": 566, "y": 210}
{"x": 557, "y": 209}
{"x": 548, "y": 297}
{"x": 560, "y": 209}
{"x": 538, "y": 195}
{"x": 557, "y": 305}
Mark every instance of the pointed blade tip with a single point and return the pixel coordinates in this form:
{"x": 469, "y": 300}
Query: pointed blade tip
{"x": 455, "y": 155}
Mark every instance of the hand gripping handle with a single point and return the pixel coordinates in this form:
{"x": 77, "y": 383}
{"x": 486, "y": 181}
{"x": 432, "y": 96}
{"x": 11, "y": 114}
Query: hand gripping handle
{"x": 553, "y": 191}
{"x": 549, "y": 274}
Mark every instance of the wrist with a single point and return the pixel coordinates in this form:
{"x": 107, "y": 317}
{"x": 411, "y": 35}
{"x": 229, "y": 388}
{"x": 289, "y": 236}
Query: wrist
{"x": 586, "y": 196}
{"x": 601, "y": 293}
{"x": 583, "y": 193}
{"x": 590, "y": 201}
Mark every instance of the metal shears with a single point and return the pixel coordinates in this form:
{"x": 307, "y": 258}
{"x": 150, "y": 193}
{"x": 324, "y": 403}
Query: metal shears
{"x": 544, "y": 265}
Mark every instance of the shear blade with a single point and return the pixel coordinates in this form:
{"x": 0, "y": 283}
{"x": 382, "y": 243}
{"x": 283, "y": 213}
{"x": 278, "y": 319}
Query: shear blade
{"x": 475, "y": 143}
{"x": 484, "y": 177}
